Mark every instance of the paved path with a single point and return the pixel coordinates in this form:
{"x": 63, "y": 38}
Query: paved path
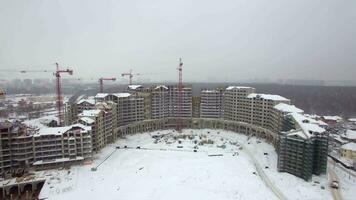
{"x": 335, "y": 192}
{"x": 264, "y": 177}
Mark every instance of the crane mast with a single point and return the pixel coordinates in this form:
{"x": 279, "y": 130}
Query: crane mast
{"x": 101, "y": 82}
{"x": 180, "y": 97}
{"x": 130, "y": 75}
{"x": 57, "y": 74}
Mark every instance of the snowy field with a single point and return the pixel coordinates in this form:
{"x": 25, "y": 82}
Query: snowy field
{"x": 226, "y": 166}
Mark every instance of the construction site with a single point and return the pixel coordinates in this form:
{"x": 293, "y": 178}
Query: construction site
{"x": 87, "y": 124}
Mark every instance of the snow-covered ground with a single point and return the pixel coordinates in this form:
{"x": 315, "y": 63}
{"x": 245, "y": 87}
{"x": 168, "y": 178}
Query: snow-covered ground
{"x": 165, "y": 168}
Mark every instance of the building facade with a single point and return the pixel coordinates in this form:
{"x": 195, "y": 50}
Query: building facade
{"x": 303, "y": 149}
{"x": 212, "y": 103}
{"x": 22, "y": 148}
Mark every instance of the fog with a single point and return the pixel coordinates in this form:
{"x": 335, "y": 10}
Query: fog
{"x": 218, "y": 40}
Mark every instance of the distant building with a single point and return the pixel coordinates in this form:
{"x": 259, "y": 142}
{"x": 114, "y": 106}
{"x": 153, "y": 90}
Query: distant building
{"x": 196, "y": 101}
{"x": 348, "y": 151}
{"x": 331, "y": 120}
{"x": 349, "y": 135}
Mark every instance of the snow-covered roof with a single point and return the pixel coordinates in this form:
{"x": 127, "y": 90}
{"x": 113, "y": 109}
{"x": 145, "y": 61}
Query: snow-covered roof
{"x": 273, "y": 97}
{"x": 333, "y": 118}
{"x": 161, "y": 86}
{"x": 90, "y": 101}
{"x": 349, "y": 146}
{"x": 89, "y": 113}
{"x": 87, "y": 120}
{"x": 314, "y": 116}
{"x": 134, "y": 87}
{"x": 209, "y": 91}
{"x": 122, "y": 94}
{"x": 299, "y": 133}
{"x": 61, "y": 130}
{"x": 288, "y": 108}
{"x": 238, "y": 87}
{"x": 308, "y": 125}
{"x": 352, "y": 119}
{"x": 41, "y": 122}
{"x": 101, "y": 95}
{"x": 350, "y": 134}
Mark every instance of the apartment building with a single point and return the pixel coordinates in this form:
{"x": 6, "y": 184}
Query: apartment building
{"x": 261, "y": 105}
{"x": 72, "y": 110}
{"x": 130, "y": 107}
{"x": 23, "y": 148}
{"x": 94, "y": 119}
{"x": 302, "y": 150}
{"x": 278, "y": 114}
{"x": 212, "y": 103}
{"x": 196, "y": 101}
{"x": 165, "y": 101}
{"x": 236, "y": 104}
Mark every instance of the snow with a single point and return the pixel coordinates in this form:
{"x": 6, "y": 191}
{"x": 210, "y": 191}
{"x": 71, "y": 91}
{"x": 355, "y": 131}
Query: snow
{"x": 160, "y": 170}
{"x": 352, "y": 119}
{"x": 161, "y": 86}
{"x": 332, "y": 118}
{"x": 273, "y": 97}
{"x": 89, "y": 113}
{"x": 350, "y": 134}
{"x": 90, "y": 101}
{"x": 308, "y": 125}
{"x": 238, "y": 87}
{"x": 54, "y": 130}
{"x": 122, "y": 94}
{"x": 59, "y": 160}
{"x": 60, "y": 130}
{"x": 134, "y": 87}
{"x": 288, "y": 108}
{"x": 349, "y": 146}
{"x": 87, "y": 120}
{"x": 101, "y": 95}
{"x": 209, "y": 91}
{"x": 40, "y": 122}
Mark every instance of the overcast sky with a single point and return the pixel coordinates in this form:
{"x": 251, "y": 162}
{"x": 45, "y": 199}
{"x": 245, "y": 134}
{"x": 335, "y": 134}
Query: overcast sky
{"x": 218, "y": 40}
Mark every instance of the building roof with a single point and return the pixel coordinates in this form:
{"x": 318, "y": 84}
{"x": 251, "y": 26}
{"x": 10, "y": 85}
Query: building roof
{"x": 332, "y": 118}
{"x": 349, "y": 146}
{"x": 288, "y": 108}
{"x": 308, "y": 125}
{"x": 350, "y": 134}
{"x": 273, "y": 97}
{"x": 101, "y": 95}
{"x": 161, "y": 86}
{"x": 299, "y": 133}
{"x": 90, "y": 101}
{"x": 134, "y": 87}
{"x": 87, "y": 120}
{"x": 122, "y": 94}
{"x": 238, "y": 87}
{"x": 352, "y": 119}
{"x": 89, "y": 113}
{"x": 61, "y": 130}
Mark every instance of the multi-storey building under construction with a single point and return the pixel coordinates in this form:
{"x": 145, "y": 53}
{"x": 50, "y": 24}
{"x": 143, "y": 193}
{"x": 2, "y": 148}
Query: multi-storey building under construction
{"x": 22, "y": 148}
